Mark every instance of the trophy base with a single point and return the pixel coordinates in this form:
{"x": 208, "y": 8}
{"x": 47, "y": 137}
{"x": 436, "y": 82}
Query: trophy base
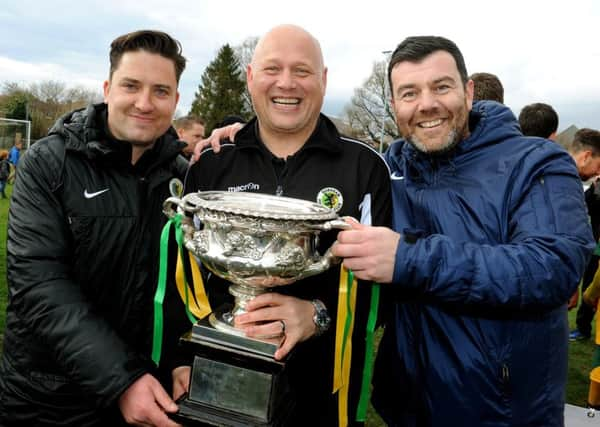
{"x": 193, "y": 414}
{"x": 235, "y": 381}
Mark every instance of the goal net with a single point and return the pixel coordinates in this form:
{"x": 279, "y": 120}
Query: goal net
{"x": 13, "y": 131}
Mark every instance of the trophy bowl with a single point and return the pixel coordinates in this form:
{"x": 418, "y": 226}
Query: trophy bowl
{"x": 254, "y": 241}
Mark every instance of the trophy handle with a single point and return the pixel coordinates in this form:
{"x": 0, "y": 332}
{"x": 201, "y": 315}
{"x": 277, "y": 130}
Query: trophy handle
{"x": 328, "y": 259}
{"x": 170, "y": 206}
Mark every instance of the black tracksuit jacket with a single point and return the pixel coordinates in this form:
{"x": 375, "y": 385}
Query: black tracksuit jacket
{"x": 326, "y": 161}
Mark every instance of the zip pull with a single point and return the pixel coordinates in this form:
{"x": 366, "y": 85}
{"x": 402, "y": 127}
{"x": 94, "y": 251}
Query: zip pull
{"x": 505, "y": 373}
{"x": 279, "y": 190}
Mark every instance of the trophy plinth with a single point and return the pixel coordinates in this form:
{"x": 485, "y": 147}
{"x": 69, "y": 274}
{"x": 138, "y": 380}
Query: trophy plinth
{"x": 256, "y": 242}
{"x": 235, "y": 380}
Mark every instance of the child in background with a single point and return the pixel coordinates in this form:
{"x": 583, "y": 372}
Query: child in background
{"x": 4, "y": 172}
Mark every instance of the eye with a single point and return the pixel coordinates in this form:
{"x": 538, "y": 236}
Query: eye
{"x": 271, "y": 69}
{"x": 302, "y": 72}
{"x": 128, "y": 86}
{"x": 162, "y": 92}
{"x": 408, "y": 95}
{"x": 443, "y": 88}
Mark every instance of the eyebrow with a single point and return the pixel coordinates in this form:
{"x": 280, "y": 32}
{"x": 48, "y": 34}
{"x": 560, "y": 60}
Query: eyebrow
{"x": 436, "y": 81}
{"x": 158, "y": 85}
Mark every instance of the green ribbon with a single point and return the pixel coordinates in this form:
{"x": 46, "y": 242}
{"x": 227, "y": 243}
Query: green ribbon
{"x": 159, "y": 296}
{"x": 365, "y": 392}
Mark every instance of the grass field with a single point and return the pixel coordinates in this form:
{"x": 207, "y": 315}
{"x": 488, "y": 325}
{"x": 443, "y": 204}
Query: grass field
{"x": 580, "y": 353}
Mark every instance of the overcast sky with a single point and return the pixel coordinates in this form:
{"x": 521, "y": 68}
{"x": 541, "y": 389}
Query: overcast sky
{"x": 543, "y": 51}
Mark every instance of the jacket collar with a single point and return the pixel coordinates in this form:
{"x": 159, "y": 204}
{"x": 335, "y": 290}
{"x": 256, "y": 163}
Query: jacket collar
{"x": 325, "y": 137}
{"x": 86, "y": 131}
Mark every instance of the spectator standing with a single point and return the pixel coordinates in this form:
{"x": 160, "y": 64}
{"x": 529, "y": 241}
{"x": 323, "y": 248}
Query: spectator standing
{"x": 488, "y": 87}
{"x": 585, "y": 150}
{"x": 15, "y": 153}
{"x": 190, "y": 130}
{"x": 4, "y": 172}
{"x": 539, "y": 119}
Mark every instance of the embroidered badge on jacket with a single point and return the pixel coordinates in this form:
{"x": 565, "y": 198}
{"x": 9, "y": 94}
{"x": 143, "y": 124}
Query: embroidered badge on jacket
{"x": 331, "y": 198}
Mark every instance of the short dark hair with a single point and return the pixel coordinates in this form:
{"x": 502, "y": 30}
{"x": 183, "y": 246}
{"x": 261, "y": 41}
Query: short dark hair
{"x": 415, "y": 49}
{"x": 187, "y": 122}
{"x": 586, "y": 139}
{"x": 150, "y": 41}
{"x": 487, "y": 87}
{"x": 538, "y": 119}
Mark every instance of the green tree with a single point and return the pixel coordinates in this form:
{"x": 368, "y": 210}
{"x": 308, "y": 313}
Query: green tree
{"x": 14, "y": 102}
{"x": 42, "y": 103}
{"x": 221, "y": 92}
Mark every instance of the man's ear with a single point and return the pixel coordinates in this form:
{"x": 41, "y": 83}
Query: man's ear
{"x": 106, "y": 89}
{"x": 469, "y": 93}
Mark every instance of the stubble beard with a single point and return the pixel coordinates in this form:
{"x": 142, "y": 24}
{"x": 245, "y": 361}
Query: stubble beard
{"x": 454, "y": 137}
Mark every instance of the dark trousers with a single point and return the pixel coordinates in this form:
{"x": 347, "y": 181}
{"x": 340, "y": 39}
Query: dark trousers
{"x": 585, "y": 313}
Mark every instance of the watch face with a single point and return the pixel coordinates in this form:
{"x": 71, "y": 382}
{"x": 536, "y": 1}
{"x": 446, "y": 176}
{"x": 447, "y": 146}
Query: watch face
{"x": 322, "y": 318}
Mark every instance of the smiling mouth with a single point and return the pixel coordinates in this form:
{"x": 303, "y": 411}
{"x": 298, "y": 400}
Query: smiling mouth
{"x": 286, "y": 101}
{"x": 143, "y": 118}
{"x": 430, "y": 124}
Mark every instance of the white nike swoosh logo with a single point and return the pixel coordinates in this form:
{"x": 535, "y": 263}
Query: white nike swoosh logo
{"x": 92, "y": 195}
{"x": 396, "y": 177}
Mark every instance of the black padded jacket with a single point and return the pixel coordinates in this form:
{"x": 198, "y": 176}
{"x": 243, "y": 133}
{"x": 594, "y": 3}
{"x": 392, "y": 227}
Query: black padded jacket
{"x": 83, "y": 240}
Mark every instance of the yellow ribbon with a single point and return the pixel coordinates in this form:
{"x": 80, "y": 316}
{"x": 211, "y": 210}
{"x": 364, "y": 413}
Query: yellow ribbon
{"x": 198, "y": 306}
{"x": 343, "y": 342}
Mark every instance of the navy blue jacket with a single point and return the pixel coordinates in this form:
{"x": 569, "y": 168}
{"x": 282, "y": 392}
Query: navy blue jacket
{"x": 495, "y": 238}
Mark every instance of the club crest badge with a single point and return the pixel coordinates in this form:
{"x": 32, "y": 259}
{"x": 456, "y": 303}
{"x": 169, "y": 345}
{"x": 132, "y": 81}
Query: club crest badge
{"x": 176, "y": 187}
{"x": 331, "y": 198}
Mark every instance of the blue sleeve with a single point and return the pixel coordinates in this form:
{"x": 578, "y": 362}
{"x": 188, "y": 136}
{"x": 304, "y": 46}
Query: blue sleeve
{"x": 541, "y": 263}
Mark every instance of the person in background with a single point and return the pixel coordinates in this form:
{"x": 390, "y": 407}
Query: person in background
{"x": 82, "y": 252}
{"x": 4, "y": 172}
{"x": 291, "y": 149}
{"x": 489, "y": 241}
{"x": 539, "y": 119}
{"x": 13, "y": 158}
{"x": 190, "y": 130}
{"x": 585, "y": 151}
{"x": 15, "y": 152}
{"x": 487, "y": 87}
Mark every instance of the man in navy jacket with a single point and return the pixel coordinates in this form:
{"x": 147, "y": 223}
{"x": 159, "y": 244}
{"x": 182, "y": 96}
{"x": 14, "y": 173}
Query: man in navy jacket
{"x": 490, "y": 238}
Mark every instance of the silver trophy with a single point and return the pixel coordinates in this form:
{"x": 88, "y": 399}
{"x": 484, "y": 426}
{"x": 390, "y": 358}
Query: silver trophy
{"x": 256, "y": 242}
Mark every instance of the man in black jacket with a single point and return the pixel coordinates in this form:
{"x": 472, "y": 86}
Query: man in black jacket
{"x": 290, "y": 149}
{"x": 82, "y": 251}
{"x": 585, "y": 150}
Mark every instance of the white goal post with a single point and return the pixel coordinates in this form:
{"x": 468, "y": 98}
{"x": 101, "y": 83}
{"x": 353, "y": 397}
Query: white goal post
{"x": 27, "y": 127}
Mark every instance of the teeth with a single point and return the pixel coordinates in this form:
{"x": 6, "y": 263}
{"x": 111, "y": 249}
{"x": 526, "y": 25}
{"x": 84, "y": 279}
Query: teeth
{"x": 287, "y": 101}
{"x": 430, "y": 124}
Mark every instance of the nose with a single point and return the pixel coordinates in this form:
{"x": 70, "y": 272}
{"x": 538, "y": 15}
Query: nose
{"x": 427, "y": 101}
{"x": 143, "y": 101}
{"x": 286, "y": 80}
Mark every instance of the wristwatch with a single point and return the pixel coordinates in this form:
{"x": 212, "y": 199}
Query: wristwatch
{"x": 321, "y": 317}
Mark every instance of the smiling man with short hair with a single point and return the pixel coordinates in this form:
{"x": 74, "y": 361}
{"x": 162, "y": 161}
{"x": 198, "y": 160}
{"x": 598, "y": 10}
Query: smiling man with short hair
{"x": 83, "y": 234}
{"x": 490, "y": 239}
